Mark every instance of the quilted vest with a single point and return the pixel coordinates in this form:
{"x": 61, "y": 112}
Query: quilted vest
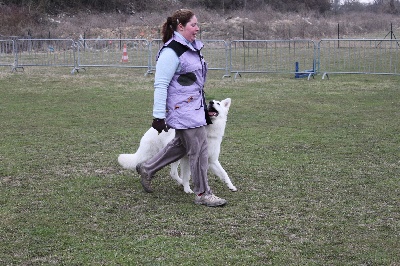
{"x": 186, "y": 106}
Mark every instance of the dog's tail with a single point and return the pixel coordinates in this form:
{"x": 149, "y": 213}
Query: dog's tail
{"x": 128, "y": 161}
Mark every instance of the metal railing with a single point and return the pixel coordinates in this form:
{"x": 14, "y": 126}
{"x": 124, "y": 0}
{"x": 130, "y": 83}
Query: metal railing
{"x": 298, "y": 57}
{"x": 44, "y": 52}
{"x": 110, "y": 53}
{"x": 359, "y": 56}
{"x": 7, "y": 56}
{"x": 272, "y": 56}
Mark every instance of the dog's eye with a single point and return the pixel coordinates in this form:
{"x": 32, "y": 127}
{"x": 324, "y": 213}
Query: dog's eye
{"x": 218, "y": 103}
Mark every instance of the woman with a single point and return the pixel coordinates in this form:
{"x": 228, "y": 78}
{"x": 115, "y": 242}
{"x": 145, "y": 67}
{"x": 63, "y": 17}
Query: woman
{"x": 179, "y": 103}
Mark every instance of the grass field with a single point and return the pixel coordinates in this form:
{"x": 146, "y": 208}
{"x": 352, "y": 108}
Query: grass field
{"x": 317, "y": 165}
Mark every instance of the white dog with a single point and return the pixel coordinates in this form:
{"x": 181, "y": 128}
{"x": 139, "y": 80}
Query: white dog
{"x": 152, "y": 142}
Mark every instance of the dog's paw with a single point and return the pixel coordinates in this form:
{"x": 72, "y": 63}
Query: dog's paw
{"x": 188, "y": 190}
{"x": 233, "y": 188}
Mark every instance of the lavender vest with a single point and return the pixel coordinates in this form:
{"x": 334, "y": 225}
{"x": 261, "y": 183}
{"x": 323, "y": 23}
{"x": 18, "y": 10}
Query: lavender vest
{"x": 186, "y": 107}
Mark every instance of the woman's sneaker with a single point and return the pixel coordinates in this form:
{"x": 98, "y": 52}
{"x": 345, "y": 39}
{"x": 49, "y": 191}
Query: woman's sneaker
{"x": 145, "y": 179}
{"x": 210, "y": 200}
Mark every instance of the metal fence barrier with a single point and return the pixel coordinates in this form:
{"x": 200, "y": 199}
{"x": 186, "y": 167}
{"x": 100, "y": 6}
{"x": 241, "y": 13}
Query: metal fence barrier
{"x": 132, "y": 53}
{"x": 44, "y": 52}
{"x": 216, "y": 54}
{"x": 7, "y": 53}
{"x": 275, "y": 56}
{"x": 359, "y": 56}
{"x": 299, "y": 57}
{"x": 154, "y": 47}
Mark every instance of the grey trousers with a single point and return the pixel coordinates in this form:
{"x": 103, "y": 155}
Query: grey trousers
{"x": 191, "y": 142}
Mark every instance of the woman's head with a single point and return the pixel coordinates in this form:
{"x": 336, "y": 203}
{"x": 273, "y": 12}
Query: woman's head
{"x": 183, "y": 21}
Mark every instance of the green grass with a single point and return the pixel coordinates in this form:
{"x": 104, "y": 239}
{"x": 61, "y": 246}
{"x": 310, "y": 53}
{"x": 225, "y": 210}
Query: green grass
{"x": 316, "y": 163}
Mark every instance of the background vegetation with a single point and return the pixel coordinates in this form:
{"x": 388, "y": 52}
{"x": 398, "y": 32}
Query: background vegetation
{"x": 129, "y": 6}
{"x": 316, "y": 164}
{"x": 221, "y": 19}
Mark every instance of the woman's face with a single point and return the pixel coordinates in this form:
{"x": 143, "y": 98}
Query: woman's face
{"x": 190, "y": 30}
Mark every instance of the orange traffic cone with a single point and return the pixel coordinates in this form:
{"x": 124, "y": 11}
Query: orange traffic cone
{"x": 124, "y": 55}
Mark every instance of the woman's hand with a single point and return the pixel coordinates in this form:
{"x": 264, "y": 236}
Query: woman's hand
{"x": 159, "y": 125}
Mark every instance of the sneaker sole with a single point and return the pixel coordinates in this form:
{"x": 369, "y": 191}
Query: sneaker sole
{"x": 210, "y": 205}
{"x": 145, "y": 187}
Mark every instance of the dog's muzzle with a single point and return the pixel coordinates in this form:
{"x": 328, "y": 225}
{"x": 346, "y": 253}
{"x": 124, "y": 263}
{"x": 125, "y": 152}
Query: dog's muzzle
{"x": 212, "y": 112}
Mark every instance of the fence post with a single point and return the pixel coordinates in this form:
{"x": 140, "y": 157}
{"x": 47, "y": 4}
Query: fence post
{"x": 338, "y": 35}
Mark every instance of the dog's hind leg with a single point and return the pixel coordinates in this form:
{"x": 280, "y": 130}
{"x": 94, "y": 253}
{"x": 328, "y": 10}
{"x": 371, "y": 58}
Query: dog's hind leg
{"x": 222, "y": 174}
{"x": 174, "y": 172}
{"x": 185, "y": 174}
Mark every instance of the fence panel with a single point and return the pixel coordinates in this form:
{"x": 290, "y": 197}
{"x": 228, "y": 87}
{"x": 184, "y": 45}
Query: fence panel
{"x": 216, "y": 53}
{"x": 44, "y": 52}
{"x": 133, "y": 53}
{"x": 154, "y": 47}
{"x": 359, "y": 56}
{"x": 7, "y": 53}
{"x": 272, "y": 56}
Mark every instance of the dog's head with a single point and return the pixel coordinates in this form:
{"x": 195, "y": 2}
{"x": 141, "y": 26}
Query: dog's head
{"x": 219, "y": 109}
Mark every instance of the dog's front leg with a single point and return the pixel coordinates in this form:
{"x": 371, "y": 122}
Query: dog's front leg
{"x": 222, "y": 174}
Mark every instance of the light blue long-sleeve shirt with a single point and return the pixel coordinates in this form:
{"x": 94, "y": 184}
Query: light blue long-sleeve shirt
{"x": 167, "y": 65}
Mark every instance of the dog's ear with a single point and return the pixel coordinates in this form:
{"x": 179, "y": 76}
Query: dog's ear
{"x": 227, "y": 102}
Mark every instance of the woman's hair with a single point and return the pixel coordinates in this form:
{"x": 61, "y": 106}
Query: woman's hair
{"x": 182, "y": 16}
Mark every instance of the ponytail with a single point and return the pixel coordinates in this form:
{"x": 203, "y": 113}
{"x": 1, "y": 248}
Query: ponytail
{"x": 168, "y": 30}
